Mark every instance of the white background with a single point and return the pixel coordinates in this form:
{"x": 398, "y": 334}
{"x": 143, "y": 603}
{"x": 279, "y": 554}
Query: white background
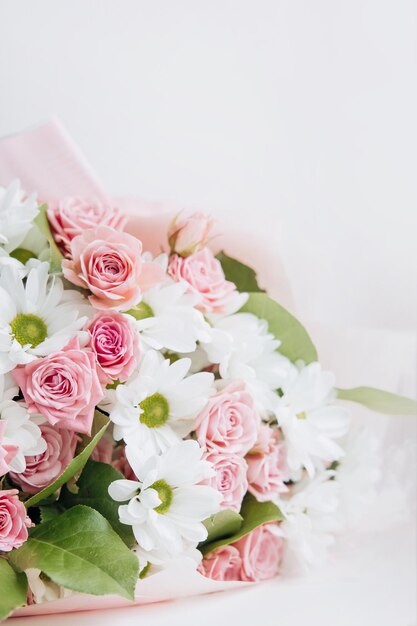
{"x": 297, "y": 116}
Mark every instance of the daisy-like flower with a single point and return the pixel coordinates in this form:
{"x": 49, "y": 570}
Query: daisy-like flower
{"x": 158, "y": 406}
{"x": 245, "y": 350}
{"x": 18, "y": 429}
{"x": 310, "y": 522}
{"x": 167, "y": 318}
{"x": 17, "y": 213}
{"x": 166, "y": 504}
{"x": 310, "y": 421}
{"x": 37, "y": 317}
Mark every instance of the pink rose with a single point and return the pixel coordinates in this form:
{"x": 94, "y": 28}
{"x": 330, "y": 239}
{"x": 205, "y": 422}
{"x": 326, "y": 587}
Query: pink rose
{"x": 230, "y": 478}
{"x": 267, "y": 470}
{"x": 103, "y": 452}
{"x": 224, "y": 563}
{"x": 42, "y": 469}
{"x": 229, "y": 422}
{"x": 72, "y": 216}
{"x": 204, "y": 273}
{"x": 63, "y": 387}
{"x": 115, "y": 344}
{"x": 109, "y": 264}
{"x": 188, "y": 234}
{"x": 14, "y": 522}
{"x": 7, "y": 451}
{"x": 261, "y": 552}
{"x": 122, "y": 464}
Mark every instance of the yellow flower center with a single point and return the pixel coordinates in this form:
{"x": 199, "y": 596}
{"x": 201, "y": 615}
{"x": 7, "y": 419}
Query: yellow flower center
{"x": 29, "y": 329}
{"x": 155, "y": 411}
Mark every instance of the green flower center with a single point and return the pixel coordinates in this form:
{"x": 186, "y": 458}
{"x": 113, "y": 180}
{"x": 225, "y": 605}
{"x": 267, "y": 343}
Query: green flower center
{"x": 29, "y": 329}
{"x": 155, "y": 411}
{"x": 165, "y": 494}
{"x": 23, "y": 255}
{"x": 141, "y": 311}
{"x": 302, "y": 416}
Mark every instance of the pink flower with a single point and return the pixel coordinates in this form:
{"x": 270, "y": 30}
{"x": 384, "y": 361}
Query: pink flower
{"x": 115, "y": 344}
{"x": 268, "y": 470}
{"x": 7, "y": 451}
{"x": 230, "y": 478}
{"x": 63, "y": 387}
{"x": 261, "y": 552}
{"x": 42, "y": 469}
{"x": 122, "y": 465}
{"x": 205, "y": 276}
{"x": 189, "y": 234}
{"x": 109, "y": 264}
{"x": 224, "y": 563}
{"x": 103, "y": 452}
{"x": 14, "y": 522}
{"x": 72, "y": 216}
{"x": 229, "y": 422}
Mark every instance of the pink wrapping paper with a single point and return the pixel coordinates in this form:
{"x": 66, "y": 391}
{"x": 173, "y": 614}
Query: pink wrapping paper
{"x": 48, "y": 162}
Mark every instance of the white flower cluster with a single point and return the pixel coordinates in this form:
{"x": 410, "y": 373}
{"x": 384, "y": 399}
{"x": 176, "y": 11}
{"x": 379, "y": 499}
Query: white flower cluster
{"x": 180, "y": 355}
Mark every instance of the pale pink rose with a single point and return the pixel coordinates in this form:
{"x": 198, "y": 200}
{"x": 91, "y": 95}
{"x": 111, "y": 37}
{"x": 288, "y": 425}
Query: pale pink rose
{"x": 230, "y": 478}
{"x": 42, "y": 469}
{"x": 268, "y": 470}
{"x": 103, "y": 452}
{"x": 225, "y": 563}
{"x": 7, "y": 451}
{"x": 63, "y": 387}
{"x": 14, "y": 522}
{"x": 122, "y": 464}
{"x": 205, "y": 276}
{"x": 229, "y": 422}
{"x": 115, "y": 344}
{"x": 187, "y": 234}
{"x": 109, "y": 264}
{"x": 72, "y": 216}
{"x": 261, "y": 552}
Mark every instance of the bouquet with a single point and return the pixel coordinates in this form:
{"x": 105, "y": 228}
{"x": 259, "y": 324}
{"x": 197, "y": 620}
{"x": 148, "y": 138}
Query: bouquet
{"x": 154, "y": 410}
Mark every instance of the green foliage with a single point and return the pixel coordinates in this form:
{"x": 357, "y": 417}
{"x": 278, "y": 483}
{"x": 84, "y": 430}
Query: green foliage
{"x": 93, "y": 492}
{"x": 13, "y": 589}
{"x": 80, "y": 551}
{"x": 243, "y": 276}
{"x": 75, "y": 467}
{"x": 55, "y": 256}
{"x": 223, "y": 524}
{"x": 379, "y": 400}
{"x": 254, "y": 514}
{"x": 295, "y": 341}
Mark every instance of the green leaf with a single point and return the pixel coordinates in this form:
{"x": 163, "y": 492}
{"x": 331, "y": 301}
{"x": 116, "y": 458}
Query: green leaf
{"x": 80, "y": 551}
{"x": 295, "y": 341}
{"x": 379, "y": 400}
{"x": 13, "y": 589}
{"x": 93, "y": 491}
{"x": 55, "y": 256}
{"x": 243, "y": 276}
{"x": 74, "y": 468}
{"x": 254, "y": 514}
{"x": 49, "y": 512}
{"x": 222, "y": 525}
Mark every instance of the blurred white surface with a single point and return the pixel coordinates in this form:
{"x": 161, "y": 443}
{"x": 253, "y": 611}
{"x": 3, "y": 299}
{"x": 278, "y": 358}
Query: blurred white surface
{"x": 298, "y": 119}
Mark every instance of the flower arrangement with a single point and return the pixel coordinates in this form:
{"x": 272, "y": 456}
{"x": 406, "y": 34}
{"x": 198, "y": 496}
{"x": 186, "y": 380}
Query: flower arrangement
{"x": 154, "y": 407}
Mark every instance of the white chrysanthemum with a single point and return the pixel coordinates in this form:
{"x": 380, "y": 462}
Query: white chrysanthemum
{"x": 157, "y": 407}
{"x": 166, "y": 318}
{"x": 310, "y": 523}
{"x": 166, "y": 504}
{"x": 309, "y": 420}
{"x": 245, "y": 350}
{"x": 21, "y": 429}
{"x": 17, "y": 213}
{"x": 37, "y": 317}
